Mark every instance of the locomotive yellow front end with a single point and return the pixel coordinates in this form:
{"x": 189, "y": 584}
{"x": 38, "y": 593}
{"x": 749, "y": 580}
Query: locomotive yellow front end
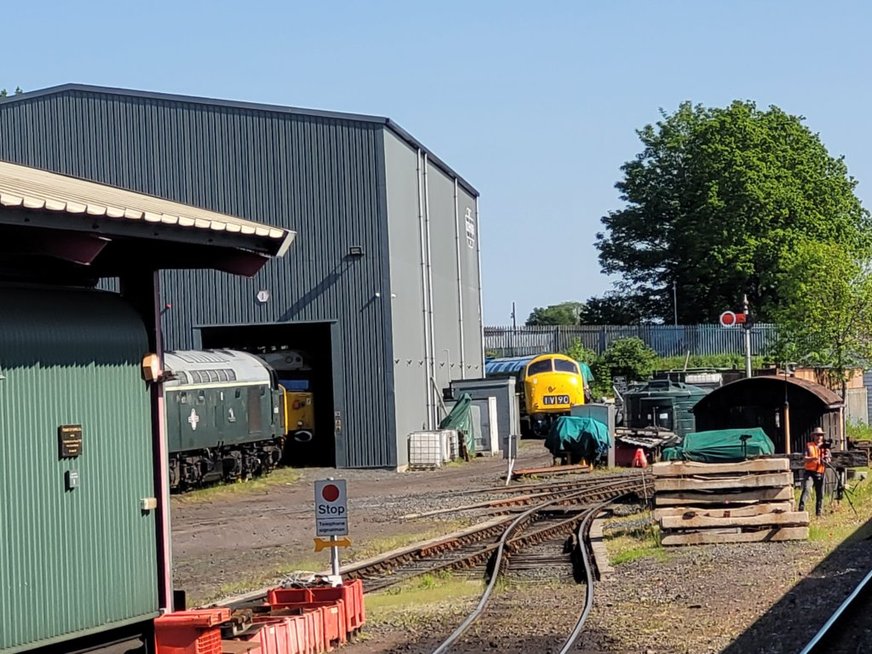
{"x": 553, "y": 384}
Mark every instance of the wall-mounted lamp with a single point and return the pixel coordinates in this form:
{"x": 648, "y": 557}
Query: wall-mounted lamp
{"x": 355, "y": 251}
{"x": 151, "y": 368}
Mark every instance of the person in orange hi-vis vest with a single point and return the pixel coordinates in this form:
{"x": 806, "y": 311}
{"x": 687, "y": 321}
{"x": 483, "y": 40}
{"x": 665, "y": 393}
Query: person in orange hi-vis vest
{"x": 816, "y": 458}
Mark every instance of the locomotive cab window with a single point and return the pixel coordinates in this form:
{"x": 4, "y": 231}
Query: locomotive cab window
{"x": 565, "y": 366}
{"x": 538, "y": 367}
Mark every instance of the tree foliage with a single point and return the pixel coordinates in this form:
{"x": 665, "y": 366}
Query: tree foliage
{"x": 4, "y": 92}
{"x": 826, "y": 317}
{"x": 614, "y": 309}
{"x": 716, "y": 200}
{"x": 565, "y": 313}
{"x": 628, "y": 357}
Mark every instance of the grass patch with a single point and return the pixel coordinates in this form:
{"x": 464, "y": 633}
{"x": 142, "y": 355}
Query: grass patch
{"x": 279, "y": 477}
{"x": 859, "y": 431}
{"x": 421, "y": 598}
{"x": 640, "y": 543}
{"x": 840, "y": 523}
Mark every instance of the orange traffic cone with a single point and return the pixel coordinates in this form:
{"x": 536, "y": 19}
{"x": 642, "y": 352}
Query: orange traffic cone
{"x": 639, "y": 460}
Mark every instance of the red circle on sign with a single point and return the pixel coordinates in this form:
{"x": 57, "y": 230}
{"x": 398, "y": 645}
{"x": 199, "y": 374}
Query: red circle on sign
{"x": 728, "y": 318}
{"x": 330, "y": 492}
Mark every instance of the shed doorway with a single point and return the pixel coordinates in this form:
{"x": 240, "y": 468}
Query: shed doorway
{"x": 302, "y": 356}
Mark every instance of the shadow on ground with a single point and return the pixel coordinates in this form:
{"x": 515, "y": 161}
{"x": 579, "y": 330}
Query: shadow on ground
{"x": 791, "y": 623}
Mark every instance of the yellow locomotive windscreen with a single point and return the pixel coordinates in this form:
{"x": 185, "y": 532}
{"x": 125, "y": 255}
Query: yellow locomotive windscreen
{"x": 553, "y": 384}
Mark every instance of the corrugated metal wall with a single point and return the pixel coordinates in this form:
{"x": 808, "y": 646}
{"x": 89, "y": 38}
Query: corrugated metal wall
{"x": 435, "y": 286}
{"x": 317, "y": 175}
{"x": 83, "y": 559}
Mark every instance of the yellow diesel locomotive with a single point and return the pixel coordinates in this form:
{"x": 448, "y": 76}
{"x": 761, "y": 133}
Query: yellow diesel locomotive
{"x": 549, "y": 386}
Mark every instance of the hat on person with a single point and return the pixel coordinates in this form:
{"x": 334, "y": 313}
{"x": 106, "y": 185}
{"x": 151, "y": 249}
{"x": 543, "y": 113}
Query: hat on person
{"x": 816, "y": 431}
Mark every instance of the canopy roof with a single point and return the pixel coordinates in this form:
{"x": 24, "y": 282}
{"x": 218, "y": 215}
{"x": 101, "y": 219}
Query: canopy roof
{"x": 768, "y": 391}
{"x": 44, "y": 214}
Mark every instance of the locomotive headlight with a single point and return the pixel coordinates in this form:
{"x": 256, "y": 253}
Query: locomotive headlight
{"x": 573, "y": 381}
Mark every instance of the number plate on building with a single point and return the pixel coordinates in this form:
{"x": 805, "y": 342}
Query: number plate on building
{"x": 555, "y": 399}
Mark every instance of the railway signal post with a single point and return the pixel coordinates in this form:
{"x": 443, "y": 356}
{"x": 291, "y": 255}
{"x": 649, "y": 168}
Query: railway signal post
{"x": 731, "y": 319}
{"x": 331, "y": 519}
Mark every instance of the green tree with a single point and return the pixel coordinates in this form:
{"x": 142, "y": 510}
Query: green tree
{"x": 826, "y": 317}
{"x": 627, "y": 357}
{"x": 565, "y": 313}
{"x": 614, "y": 309}
{"x": 4, "y": 92}
{"x": 715, "y": 201}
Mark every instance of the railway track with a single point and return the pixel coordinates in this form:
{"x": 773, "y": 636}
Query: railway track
{"x": 556, "y": 511}
{"x": 847, "y": 628}
{"x": 524, "y": 531}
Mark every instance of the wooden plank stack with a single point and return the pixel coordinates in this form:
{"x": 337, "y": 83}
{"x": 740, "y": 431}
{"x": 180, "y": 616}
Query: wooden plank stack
{"x": 698, "y": 503}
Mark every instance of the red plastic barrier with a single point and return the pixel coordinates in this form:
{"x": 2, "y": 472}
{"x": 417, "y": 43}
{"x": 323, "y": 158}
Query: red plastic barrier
{"x": 288, "y": 635}
{"x": 190, "y": 632}
{"x": 350, "y": 593}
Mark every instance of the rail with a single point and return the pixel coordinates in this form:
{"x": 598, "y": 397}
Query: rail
{"x": 825, "y": 639}
{"x": 614, "y": 489}
{"x": 583, "y": 539}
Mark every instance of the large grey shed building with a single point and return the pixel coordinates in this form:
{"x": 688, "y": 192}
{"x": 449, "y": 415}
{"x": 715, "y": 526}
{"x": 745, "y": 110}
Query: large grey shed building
{"x": 381, "y": 291}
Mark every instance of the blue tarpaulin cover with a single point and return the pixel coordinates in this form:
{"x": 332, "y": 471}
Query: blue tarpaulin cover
{"x": 582, "y": 438}
{"x": 721, "y": 446}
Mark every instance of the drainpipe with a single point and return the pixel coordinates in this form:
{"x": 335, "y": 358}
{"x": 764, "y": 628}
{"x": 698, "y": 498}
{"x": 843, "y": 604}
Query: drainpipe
{"x": 424, "y": 316}
{"x": 459, "y": 281}
{"x": 480, "y": 294}
{"x": 430, "y": 283}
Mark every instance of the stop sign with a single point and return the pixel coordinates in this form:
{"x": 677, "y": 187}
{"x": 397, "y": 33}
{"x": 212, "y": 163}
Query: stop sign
{"x": 330, "y": 492}
{"x": 728, "y": 319}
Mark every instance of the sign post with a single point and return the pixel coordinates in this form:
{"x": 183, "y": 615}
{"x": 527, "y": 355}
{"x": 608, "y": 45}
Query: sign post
{"x": 731, "y": 319}
{"x": 747, "y": 327}
{"x": 331, "y": 519}
{"x": 510, "y": 452}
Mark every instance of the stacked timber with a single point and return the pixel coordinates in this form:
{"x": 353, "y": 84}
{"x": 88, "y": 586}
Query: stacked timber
{"x": 697, "y": 503}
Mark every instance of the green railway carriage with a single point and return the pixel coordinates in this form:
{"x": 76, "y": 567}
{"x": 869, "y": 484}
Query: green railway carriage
{"x": 224, "y": 416}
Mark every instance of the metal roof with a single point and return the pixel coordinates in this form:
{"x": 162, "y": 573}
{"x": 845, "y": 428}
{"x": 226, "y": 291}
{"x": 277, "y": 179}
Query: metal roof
{"x": 249, "y": 106}
{"x": 507, "y": 365}
{"x": 37, "y": 190}
{"x": 211, "y": 367}
{"x": 764, "y": 388}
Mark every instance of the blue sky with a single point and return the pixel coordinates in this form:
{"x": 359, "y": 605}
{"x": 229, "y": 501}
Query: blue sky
{"x": 536, "y": 104}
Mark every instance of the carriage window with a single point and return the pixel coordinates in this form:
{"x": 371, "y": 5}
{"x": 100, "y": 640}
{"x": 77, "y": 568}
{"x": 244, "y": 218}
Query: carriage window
{"x": 565, "y": 366}
{"x": 538, "y": 367}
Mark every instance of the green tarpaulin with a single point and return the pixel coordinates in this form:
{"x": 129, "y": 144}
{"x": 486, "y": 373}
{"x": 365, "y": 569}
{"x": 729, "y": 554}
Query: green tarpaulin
{"x": 582, "y": 438}
{"x": 721, "y": 445}
{"x": 460, "y": 419}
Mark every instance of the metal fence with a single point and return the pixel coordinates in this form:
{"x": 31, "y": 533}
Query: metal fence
{"x": 666, "y": 340}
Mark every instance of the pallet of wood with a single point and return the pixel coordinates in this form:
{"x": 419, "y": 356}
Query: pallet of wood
{"x": 751, "y": 501}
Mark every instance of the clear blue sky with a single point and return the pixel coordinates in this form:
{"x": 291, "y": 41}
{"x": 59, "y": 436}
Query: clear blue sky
{"x": 534, "y": 103}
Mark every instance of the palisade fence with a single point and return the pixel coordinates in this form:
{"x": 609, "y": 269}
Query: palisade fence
{"x": 666, "y": 340}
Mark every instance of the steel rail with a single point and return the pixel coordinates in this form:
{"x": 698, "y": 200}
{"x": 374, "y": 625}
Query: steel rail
{"x": 823, "y": 639}
{"x": 468, "y": 546}
{"x": 583, "y": 537}
{"x": 501, "y": 550}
